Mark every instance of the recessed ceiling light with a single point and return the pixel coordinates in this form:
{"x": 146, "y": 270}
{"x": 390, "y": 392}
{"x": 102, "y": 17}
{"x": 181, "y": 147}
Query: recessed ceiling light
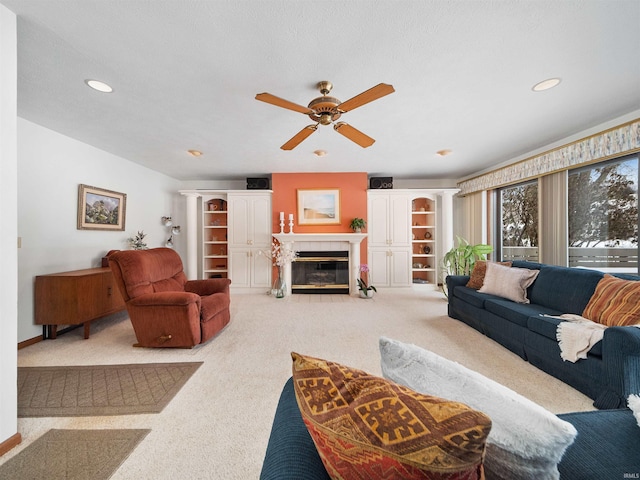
{"x": 195, "y": 153}
{"x": 445, "y": 152}
{"x": 99, "y": 86}
{"x": 546, "y": 84}
{"x": 319, "y": 153}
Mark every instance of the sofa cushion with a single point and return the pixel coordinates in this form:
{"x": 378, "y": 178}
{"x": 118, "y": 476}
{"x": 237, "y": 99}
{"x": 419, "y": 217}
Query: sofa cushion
{"x": 525, "y": 442}
{"x": 479, "y": 271}
{"x": 366, "y": 427}
{"x": 472, "y": 296}
{"x": 516, "y": 312}
{"x": 564, "y": 289}
{"x": 510, "y": 283}
{"x": 615, "y": 302}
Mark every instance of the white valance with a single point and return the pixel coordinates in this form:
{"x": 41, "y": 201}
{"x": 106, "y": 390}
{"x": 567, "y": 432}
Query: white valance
{"x": 615, "y": 142}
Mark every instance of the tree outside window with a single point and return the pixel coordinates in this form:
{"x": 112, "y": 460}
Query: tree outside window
{"x": 603, "y": 215}
{"x": 519, "y": 221}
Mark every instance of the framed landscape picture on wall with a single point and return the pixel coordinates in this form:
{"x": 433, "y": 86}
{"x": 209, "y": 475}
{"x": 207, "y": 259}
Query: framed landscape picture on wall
{"x": 100, "y": 209}
{"x": 319, "y": 207}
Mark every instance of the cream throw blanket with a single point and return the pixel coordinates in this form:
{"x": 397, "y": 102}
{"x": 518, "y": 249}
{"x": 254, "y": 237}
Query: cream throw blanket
{"x": 576, "y": 335}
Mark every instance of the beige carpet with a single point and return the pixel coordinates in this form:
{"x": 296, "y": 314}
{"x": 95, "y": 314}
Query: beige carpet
{"x": 217, "y": 426}
{"x": 73, "y": 455}
{"x": 100, "y": 389}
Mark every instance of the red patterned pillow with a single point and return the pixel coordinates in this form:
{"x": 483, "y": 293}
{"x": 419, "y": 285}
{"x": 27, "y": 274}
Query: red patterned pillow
{"x": 368, "y": 428}
{"x": 615, "y": 302}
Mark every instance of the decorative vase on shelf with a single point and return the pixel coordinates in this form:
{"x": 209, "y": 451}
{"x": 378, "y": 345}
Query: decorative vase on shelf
{"x": 366, "y": 293}
{"x": 279, "y": 287}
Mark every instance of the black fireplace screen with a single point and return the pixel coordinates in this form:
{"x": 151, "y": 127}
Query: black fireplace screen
{"x": 320, "y": 272}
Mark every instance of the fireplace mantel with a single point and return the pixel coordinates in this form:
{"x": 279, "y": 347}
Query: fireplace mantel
{"x": 320, "y": 237}
{"x": 288, "y": 241}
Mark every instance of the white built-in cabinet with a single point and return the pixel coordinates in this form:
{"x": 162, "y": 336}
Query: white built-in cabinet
{"x": 405, "y": 240}
{"x": 250, "y": 239}
{"x": 231, "y": 238}
{"x": 389, "y": 242}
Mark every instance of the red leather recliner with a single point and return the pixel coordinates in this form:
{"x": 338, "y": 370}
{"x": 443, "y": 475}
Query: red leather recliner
{"x": 165, "y": 308}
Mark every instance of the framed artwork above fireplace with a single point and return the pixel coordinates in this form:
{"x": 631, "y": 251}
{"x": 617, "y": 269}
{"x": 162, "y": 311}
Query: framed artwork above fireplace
{"x": 319, "y": 206}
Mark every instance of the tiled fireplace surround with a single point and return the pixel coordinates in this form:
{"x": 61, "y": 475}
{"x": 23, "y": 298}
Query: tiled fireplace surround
{"x": 324, "y": 242}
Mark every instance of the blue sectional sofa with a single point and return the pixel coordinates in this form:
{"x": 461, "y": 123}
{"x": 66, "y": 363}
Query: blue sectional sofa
{"x": 611, "y": 371}
{"x": 292, "y": 455}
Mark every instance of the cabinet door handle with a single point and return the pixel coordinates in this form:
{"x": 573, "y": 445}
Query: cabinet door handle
{"x": 109, "y": 291}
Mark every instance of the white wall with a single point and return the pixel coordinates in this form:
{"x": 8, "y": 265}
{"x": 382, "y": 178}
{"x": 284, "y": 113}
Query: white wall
{"x": 8, "y": 213}
{"x": 50, "y": 168}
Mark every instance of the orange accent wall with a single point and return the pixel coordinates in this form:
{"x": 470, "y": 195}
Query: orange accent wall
{"x": 353, "y": 200}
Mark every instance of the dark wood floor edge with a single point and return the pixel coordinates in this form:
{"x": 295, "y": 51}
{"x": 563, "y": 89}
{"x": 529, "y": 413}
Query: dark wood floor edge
{"x": 9, "y": 443}
{"x": 30, "y": 341}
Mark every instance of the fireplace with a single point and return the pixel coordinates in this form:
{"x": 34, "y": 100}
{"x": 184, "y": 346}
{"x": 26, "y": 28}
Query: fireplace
{"x": 324, "y": 242}
{"x": 321, "y": 272}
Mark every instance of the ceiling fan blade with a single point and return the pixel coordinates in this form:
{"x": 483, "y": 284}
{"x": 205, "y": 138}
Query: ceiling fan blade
{"x": 299, "y": 137}
{"x": 370, "y": 95}
{"x": 281, "y": 102}
{"x": 353, "y": 134}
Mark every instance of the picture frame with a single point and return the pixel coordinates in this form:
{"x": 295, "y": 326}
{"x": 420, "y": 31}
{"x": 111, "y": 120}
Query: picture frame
{"x": 101, "y": 209}
{"x": 319, "y": 206}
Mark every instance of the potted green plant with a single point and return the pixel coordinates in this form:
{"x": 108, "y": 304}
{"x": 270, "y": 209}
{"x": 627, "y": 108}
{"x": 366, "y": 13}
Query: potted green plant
{"x": 461, "y": 259}
{"x": 357, "y": 224}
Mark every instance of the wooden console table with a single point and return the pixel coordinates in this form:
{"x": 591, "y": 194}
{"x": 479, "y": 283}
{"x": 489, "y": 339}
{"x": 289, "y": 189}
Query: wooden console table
{"x": 74, "y": 298}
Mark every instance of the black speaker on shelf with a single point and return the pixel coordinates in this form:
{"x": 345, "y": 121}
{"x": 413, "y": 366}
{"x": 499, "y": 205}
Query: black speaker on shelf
{"x": 380, "y": 182}
{"x": 257, "y": 183}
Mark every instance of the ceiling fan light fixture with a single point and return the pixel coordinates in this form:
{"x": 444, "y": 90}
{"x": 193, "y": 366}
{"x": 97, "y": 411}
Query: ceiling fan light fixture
{"x": 99, "y": 86}
{"x": 194, "y": 153}
{"x": 546, "y": 84}
{"x": 320, "y": 153}
{"x": 325, "y": 119}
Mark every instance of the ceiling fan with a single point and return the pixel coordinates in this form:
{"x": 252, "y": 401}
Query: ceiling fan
{"x": 325, "y": 110}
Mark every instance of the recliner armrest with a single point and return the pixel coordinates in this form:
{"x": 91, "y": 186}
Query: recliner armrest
{"x": 208, "y": 286}
{"x": 159, "y": 299}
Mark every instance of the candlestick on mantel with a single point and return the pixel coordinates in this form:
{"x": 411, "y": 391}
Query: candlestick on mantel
{"x": 291, "y": 217}
{"x": 281, "y": 216}
{"x": 291, "y": 223}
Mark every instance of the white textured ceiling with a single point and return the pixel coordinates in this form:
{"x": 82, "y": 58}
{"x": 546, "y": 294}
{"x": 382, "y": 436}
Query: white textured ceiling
{"x": 185, "y": 74}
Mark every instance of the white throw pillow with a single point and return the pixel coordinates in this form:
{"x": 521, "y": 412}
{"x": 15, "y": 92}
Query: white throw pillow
{"x": 508, "y": 282}
{"x": 526, "y": 441}
{"x": 634, "y": 404}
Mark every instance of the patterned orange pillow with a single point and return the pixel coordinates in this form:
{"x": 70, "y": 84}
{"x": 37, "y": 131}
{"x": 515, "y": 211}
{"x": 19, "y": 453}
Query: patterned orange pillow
{"x": 615, "y": 302}
{"x": 368, "y": 428}
{"x": 479, "y": 271}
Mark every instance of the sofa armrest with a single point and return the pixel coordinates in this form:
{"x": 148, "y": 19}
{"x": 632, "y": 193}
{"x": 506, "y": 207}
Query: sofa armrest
{"x": 208, "y": 286}
{"x": 164, "y": 299}
{"x": 291, "y": 453}
{"x": 625, "y": 340}
{"x": 621, "y": 354}
{"x": 456, "y": 281}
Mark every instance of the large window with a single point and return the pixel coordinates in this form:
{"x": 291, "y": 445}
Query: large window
{"x": 603, "y": 216}
{"x": 519, "y": 222}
